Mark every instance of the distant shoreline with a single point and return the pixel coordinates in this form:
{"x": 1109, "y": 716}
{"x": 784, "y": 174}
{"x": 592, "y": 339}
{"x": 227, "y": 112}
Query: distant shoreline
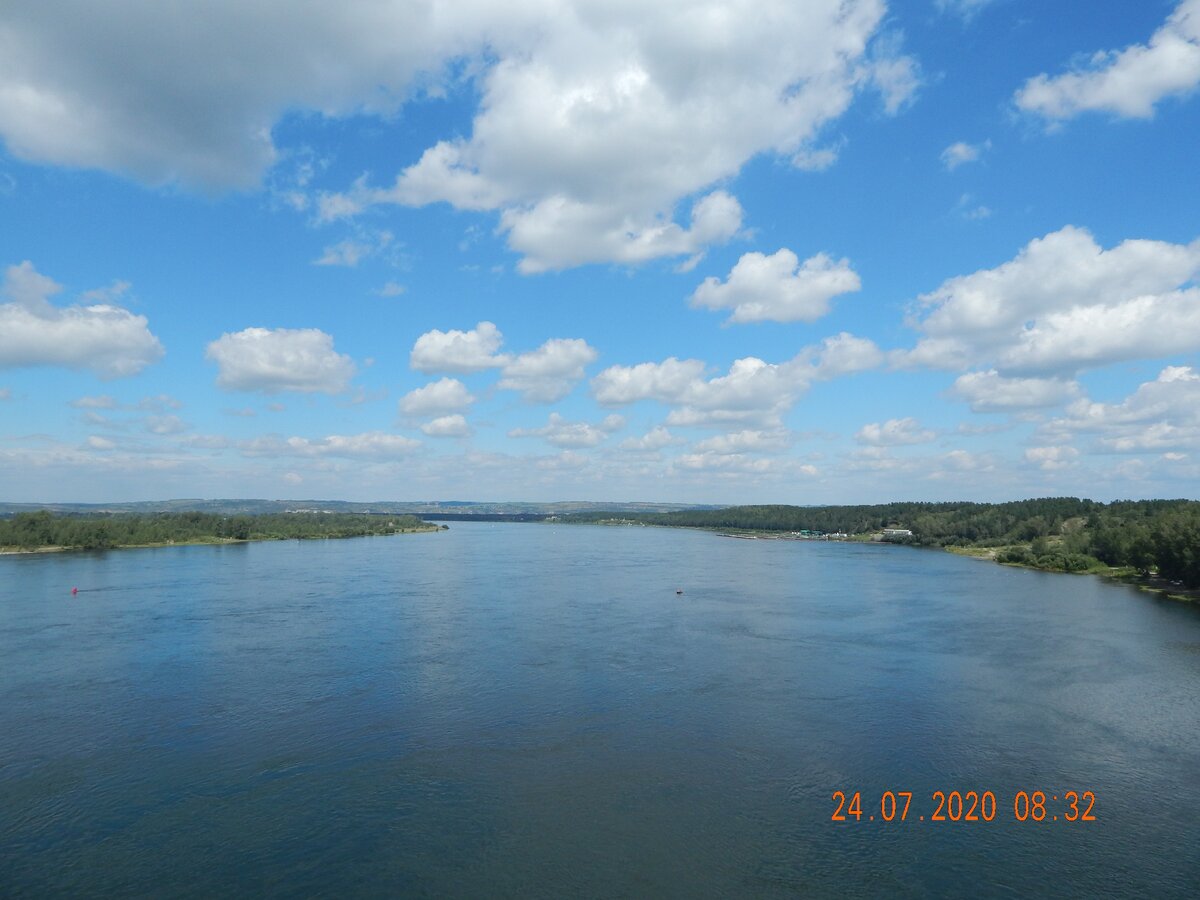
{"x": 115, "y": 533}
{"x": 1151, "y": 584}
{"x": 219, "y": 542}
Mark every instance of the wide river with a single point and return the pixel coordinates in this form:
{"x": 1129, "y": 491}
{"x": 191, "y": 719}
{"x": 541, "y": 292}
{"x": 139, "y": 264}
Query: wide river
{"x": 533, "y": 710}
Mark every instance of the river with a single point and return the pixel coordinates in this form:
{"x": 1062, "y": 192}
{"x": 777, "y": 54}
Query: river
{"x": 533, "y": 710}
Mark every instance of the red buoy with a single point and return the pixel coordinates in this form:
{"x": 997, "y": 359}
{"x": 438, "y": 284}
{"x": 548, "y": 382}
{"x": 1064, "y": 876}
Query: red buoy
{"x": 74, "y": 591}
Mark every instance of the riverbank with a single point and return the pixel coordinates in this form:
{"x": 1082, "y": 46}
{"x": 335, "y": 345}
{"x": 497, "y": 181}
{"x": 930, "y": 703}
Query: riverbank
{"x": 45, "y": 532}
{"x": 217, "y": 542}
{"x": 1126, "y": 575}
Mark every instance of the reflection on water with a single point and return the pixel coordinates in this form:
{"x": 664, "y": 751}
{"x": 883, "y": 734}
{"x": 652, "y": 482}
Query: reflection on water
{"x": 533, "y": 710}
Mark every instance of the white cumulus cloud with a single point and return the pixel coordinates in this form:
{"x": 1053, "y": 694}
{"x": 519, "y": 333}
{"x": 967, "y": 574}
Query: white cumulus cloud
{"x": 1163, "y": 414}
{"x": 991, "y": 392}
{"x": 1051, "y": 459}
{"x": 569, "y": 92}
{"x": 445, "y": 395}
{"x": 845, "y": 354}
{"x": 109, "y": 340}
{"x": 655, "y": 439}
{"x": 550, "y": 372}
{"x": 691, "y": 89}
{"x": 282, "y": 359}
{"x": 665, "y": 381}
{"x": 894, "y": 432}
{"x": 778, "y": 288}
{"x": 1064, "y": 304}
{"x": 458, "y": 351}
{"x": 752, "y": 393}
{"x": 454, "y": 425}
{"x": 1129, "y": 82}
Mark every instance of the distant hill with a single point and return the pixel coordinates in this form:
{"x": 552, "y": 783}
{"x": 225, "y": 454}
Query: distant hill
{"x": 426, "y": 508}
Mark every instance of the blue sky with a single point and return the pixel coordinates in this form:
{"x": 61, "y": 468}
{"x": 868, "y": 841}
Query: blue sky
{"x": 818, "y": 251}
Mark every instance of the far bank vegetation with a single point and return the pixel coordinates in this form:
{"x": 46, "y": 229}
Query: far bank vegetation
{"x": 1064, "y": 534}
{"x": 42, "y": 529}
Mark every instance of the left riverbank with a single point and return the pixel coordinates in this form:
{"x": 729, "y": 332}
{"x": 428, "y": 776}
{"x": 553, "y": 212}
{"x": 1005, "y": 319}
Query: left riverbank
{"x": 45, "y": 532}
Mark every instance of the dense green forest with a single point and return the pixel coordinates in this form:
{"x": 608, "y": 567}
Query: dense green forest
{"x": 31, "y": 530}
{"x": 1057, "y": 533}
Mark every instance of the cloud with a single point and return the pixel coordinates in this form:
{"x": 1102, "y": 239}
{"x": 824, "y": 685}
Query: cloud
{"x": 391, "y": 289}
{"x": 114, "y": 291}
{"x": 284, "y": 359}
{"x": 550, "y": 372}
{"x": 843, "y": 354}
{"x": 1163, "y": 414}
{"x": 956, "y": 461}
{"x": 541, "y": 376}
{"x": 109, "y": 340}
{"x": 753, "y": 392}
{"x": 1128, "y": 83}
{"x": 691, "y": 90}
{"x": 665, "y": 381}
{"x": 443, "y": 396}
{"x": 561, "y": 433}
{"x": 970, "y": 210}
{"x": 748, "y": 441}
{"x": 458, "y": 351}
{"x": 447, "y": 426}
{"x": 345, "y": 253}
{"x": 569, "y": 92}
{"x": 814, "y": 159}
{"x": 350, "y": 252}
{"x": 778, "y": 288}
{"x": 894, "y": 433}
{"x": 5, "y": 393}
{"x": 893, "y": 74}
{"x": 95, "y": 442}
{"x": 165, "y": 425}
{"x": 991, "y": 392}
{"x": 739, "y": 465}
{"x": 964, "y": 9}
{"x": 374, "y": 445}
{"x": 102, "y": 401}
{"x": 1062, "y": 305}
{"x": 1050, "y": 459}
{"x": 655, "y": 439}
{"x": 167, "y": 94}
{"x": 559, "y": 233}
{"x": 960, "y": 153}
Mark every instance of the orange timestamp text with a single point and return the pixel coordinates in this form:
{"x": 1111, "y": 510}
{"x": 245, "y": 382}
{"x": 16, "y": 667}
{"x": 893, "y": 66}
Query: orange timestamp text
{"x": 967, "y": 806}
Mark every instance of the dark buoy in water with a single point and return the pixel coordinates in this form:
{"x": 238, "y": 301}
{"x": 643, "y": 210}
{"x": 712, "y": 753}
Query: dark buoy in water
{"x": 74, "y": 591}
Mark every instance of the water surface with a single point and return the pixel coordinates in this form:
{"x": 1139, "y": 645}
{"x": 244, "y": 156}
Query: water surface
{"x": 531, "y": 710}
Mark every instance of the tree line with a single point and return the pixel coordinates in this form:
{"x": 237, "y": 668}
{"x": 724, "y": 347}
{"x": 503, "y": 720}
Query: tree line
{"x": 31, "y": 530}
{"x": 1059, "y": 533}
